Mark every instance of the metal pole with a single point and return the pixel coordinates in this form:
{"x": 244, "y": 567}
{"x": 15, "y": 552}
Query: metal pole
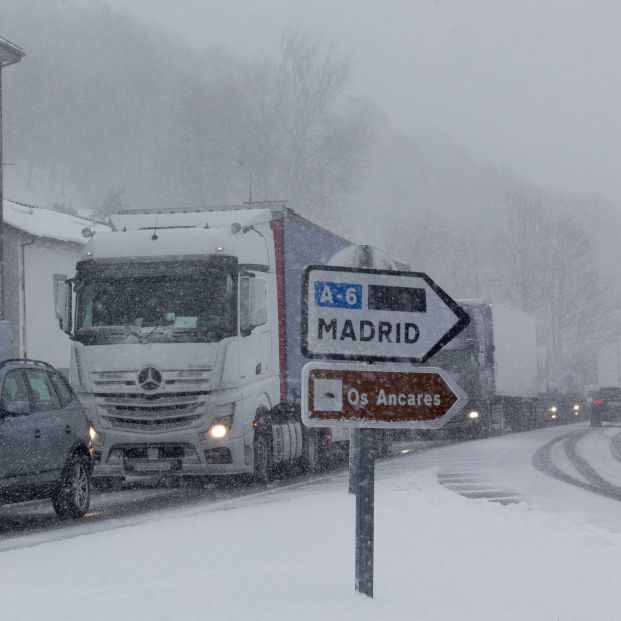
{"x": 354, "y": 459}
{"x": 364, "y": 258}
{"x": 9, "y": 55}
{"x": 364, "y": 481}
{"x": 365, "y": 512}
{"x": 1, "y": 210}
{"x": 618, "y": 360}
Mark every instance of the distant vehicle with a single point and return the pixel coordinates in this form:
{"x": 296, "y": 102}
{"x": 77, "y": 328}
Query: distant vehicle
{"x": 588, "y": 401}
{"x": 606, "y": 406}
{"x": 495, "y": 361}
{"x": 562, "y": 408}
{"x": 44, "y": 439}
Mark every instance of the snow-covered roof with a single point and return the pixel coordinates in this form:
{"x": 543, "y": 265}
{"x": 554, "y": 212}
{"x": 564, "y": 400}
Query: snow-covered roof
{"x": 211, "y": 218}
{"x": 188, "y": 242}
{"x": 9, "y": 52}
{"x": 47, "y": 223}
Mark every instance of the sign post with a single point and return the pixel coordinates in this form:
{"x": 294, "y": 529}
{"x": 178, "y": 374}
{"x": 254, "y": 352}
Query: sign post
{"x": 372, "y": 316}
{"x": 365, "y": 511}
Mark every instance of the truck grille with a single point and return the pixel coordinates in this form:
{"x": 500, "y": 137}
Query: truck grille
{"x": 152, "y": 425}
{"x": 150, "y": 413}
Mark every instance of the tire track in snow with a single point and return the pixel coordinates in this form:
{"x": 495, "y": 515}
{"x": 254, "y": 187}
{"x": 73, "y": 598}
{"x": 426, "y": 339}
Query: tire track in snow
{"x": 602, "y": 485}
{"x": 544, "y": 462}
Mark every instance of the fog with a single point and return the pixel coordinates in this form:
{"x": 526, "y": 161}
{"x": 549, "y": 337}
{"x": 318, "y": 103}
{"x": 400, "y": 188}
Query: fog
{"x": 190, "y": 191}
{"x": 475, "y": 141}
{"x": 528, "y": 86}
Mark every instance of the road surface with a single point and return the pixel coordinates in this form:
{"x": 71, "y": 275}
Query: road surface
{"x": 560, "y": 469}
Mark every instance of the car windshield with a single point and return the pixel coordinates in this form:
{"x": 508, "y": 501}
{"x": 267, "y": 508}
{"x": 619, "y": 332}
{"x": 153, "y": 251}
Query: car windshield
{"x": 156, "y": 309}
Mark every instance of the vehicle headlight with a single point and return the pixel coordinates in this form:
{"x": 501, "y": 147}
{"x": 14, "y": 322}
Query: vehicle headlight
{"x": 222, "y": 423}
{"x": 219, "y": 428}
{"x": 473, "y": 415}
{"x": 576, "y": 408}
{"x": 553, "y": 409}
{"x": 93, "y": 434}
{"x": 553, "y": 417}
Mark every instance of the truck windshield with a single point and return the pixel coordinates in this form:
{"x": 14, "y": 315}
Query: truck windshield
{"x": 156, "y": 309}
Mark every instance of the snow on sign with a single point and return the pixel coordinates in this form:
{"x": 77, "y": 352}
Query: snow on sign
{"x": 375, "y": 315}
{"x": 368, "y": 396}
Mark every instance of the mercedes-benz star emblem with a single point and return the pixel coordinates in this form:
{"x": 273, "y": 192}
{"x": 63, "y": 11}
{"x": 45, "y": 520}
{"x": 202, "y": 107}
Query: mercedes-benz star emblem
{"x": 149, "y": 379}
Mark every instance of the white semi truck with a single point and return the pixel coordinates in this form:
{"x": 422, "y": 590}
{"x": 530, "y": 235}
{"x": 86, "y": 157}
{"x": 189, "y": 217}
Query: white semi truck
{"x": 495, "y": 361}
{"x": 185, "y": 332}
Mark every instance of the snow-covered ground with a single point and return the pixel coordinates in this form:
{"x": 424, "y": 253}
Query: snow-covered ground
{"x": 289, "y": 553}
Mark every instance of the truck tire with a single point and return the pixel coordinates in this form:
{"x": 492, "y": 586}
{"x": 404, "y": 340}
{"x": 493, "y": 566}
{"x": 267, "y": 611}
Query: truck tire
{"x": 263, "y": 459}
{"x": 74, "y": 496}
{"x": 311, "y": 457}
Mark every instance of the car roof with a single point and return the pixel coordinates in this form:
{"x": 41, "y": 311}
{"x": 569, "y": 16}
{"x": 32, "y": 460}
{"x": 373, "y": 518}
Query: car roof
{"x": 24, "y": 363}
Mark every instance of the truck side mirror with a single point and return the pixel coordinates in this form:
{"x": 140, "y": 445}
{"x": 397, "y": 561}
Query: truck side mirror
{"x": 63, "y": 312}
{"x": 252, "y": 303}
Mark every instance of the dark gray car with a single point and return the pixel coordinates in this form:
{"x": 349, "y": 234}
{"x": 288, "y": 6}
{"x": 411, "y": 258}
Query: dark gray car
{"x": 44, "y": 439}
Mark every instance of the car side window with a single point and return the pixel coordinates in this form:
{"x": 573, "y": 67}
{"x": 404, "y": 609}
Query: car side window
{"x": 43, "y": 397}
{"x": 62, "y": 389}
{"x": 14, "y": 387}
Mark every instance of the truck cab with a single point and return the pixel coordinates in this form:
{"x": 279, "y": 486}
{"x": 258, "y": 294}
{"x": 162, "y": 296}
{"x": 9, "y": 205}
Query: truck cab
{"x": 175, "y": 341}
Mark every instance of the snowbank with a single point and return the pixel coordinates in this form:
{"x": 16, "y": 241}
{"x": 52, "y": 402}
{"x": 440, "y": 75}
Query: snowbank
{"x": 289, "y": 555}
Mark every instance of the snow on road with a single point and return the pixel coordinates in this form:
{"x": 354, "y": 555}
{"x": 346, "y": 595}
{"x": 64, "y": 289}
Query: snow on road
{"x": 289, "y": 553}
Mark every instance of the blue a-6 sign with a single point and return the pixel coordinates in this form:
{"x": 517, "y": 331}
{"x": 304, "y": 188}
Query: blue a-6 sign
{"x": 376, "y": 315}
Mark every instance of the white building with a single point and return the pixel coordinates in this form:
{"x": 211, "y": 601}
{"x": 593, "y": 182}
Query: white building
{"x": 41, "y": 248}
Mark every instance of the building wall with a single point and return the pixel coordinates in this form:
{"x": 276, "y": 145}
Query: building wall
{"x": 12, "y": 296}
{"x": 45, "y": 262}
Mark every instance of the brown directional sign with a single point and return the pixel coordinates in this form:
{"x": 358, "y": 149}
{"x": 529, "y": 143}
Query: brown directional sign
{"x": 355, "y": 395}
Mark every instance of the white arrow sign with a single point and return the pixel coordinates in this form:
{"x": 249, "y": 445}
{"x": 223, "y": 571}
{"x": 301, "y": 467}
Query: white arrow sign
{"x": 375, "y": 315}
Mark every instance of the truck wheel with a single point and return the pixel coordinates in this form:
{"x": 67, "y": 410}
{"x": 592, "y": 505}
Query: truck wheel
{"x": 73, "y": 498}
{"x": 262, "y": 458}
{"x": 310, "y": 452}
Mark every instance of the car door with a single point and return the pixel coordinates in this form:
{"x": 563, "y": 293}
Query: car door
{"x": 73, "y": 418}
{"x": 19, "y": 441}
{"x": 49, "y": 423}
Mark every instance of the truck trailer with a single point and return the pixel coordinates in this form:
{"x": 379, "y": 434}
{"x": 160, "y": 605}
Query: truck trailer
{"x": 185, "y": 329}
{"x": 495, "y": 361}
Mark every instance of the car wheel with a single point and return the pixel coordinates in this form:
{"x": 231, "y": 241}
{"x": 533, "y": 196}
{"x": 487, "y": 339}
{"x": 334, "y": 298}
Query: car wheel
{"x": 73, "y": 498}
{"x": 262, "y": 458}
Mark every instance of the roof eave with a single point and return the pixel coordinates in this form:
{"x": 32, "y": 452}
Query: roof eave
{"x": 9, "y": 53}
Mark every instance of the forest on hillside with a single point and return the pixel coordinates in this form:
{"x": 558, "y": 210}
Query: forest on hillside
{"x": 105, "y": 114}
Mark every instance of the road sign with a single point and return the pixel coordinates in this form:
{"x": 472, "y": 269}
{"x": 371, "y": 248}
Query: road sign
{"x": 374, "y": 396}
{"x": 375, "y": 315}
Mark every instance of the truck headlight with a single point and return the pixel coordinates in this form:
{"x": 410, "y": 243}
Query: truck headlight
{"x": 576, "y": 408}
{"x": 553, "y": 409}
{"x": 473, "y": 415}
{"x": 93, "y": 434}
{"x": 219, "y": 428}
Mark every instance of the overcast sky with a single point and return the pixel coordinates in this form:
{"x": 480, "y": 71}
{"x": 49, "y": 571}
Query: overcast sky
{"x": 530, "y": 85}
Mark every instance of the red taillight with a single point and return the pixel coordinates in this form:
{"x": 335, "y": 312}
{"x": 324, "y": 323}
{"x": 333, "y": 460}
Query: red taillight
{"x": 598, "y": 402}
